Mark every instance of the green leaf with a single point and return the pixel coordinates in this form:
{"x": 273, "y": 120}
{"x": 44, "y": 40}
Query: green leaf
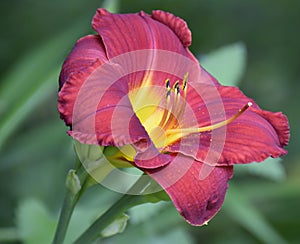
{"x": 82, "y": 217}
{"x": 271, "y": 169}
{"x": 227, "y": 63}
{"x": 34, "y": 222}
{"x": 33, "y": 79}
{"x": 243, "y": 212}
{"x": 29, "y": 146}
{"x": 26, "y": 104}
{"x": 116, "y": 227}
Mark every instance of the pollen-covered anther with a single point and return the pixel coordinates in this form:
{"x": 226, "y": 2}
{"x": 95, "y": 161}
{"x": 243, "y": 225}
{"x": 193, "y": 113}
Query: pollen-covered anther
{"x": 184, "y": 84}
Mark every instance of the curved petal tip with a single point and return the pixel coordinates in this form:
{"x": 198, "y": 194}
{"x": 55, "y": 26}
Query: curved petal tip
{"x": 196, "y": 198}
{"x": 178, "y": 25}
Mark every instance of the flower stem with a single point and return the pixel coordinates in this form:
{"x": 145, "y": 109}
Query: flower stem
{"x": 65, "y": 216}
{"x": 123, "y": 204}
{"x": 69, "y": 203}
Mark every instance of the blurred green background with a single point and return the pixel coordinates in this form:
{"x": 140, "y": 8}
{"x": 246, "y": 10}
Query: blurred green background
{"x": 262, "y": 204}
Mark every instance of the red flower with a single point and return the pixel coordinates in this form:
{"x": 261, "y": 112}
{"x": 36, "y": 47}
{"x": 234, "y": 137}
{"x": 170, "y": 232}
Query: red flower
{"x": 136, "y": 86}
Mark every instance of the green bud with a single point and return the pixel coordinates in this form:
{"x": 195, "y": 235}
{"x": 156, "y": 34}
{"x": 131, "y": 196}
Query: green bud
{"x": 72, "y": 182}
{"x": 116, "y": 227}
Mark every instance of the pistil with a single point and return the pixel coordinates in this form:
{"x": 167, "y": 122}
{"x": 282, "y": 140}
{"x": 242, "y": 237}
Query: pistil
{"x": 186, "y": 131}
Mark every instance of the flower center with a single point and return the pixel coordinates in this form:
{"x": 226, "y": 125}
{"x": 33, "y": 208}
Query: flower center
{"x": 158, "y": 136}
{"x": 163, "y": 122}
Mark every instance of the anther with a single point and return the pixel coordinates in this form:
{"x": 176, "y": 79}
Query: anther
{"x": 168, "y": 87}
{"x": 177, "y": 90}
{"x": 184, "y": 82}
{"x": 168, "y": 84}
{"x": 176, "y": 85}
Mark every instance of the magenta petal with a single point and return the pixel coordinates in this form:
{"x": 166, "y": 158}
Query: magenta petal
{"x": 279, "y": 122}
{"x": 196, "y": 198}
{"x": 253, "y": 137}
{"x": 93, "y": 105}
{"x": 123, "y": 33}
{"x": 103, "y": 114}
{"x": 178, "y": 25}
{"x": 151, "y": 158}
{"x": 87, "y": 54}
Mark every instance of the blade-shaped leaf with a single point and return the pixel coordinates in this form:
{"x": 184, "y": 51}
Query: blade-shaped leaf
{"x": 25, "y": 106}
{"x": 227, "y": 63}
{"x": 271, "y": 169}
{"x": 34, "y": 222}
{"x": 33, "y": 79}
{"x": 241, "y": 210}
{"x": 50, "y": 135}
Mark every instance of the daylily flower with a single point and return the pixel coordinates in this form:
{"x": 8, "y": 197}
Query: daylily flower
{"x": 136, "y": 86}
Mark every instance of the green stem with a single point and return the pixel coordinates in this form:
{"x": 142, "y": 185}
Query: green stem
{"x": 64, "y": 218}
{"x": 70, "y": 201}
{"x": 122, "y": 205}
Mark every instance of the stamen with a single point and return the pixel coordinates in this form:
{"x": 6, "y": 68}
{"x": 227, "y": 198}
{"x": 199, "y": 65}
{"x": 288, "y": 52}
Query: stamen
{"x": 183, "y": 102}
{"x": 168, "y": 87}
{"x": 177, "y": 96}
{"x": 168, "y": 84}
{"x": 167, "y": 112}
{"x": 186, "y": 131}
{"x": 178, "y": 90}
{"x": 176, "y": 85}
{"x": 184, "y": 84}
{"x": 178, "y": 105}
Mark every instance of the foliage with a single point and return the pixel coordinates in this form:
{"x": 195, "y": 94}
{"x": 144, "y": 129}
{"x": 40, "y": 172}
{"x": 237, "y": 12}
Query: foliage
{"x": 227, "y": 64}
